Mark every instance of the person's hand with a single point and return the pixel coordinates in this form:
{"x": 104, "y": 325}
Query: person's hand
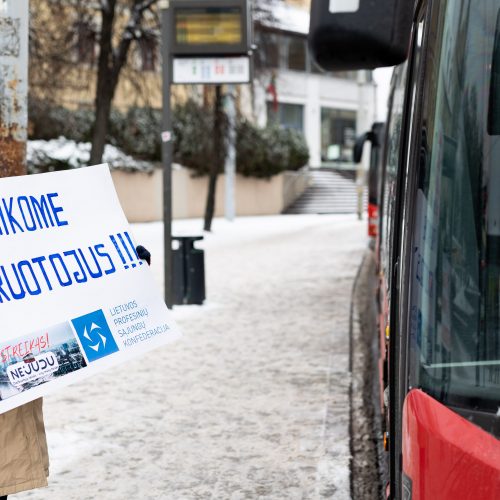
{"x": 143, "y": 254}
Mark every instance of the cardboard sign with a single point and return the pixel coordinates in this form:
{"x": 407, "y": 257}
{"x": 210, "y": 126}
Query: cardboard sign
{"x": 74, "y": 296}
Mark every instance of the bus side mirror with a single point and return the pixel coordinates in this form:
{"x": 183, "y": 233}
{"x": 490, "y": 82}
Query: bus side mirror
{"x": 360, "y": 34}
{"x": 374, "y": 136}
{"x": 357, "y": 151}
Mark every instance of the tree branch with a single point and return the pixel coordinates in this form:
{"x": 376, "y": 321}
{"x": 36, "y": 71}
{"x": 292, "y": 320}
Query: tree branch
{"x": 129, "y": 34}
{"x": 145, "y": 5}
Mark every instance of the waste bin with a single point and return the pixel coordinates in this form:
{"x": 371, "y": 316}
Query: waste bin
{"x": 188, "y": 271}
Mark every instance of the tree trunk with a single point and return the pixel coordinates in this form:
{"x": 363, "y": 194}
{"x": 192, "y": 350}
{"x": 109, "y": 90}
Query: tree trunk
{"x": 109, "y": 67}
{"x": 217, "y": 157}
{"x": 104, "y": 90}
{"x": 101, "y": 124}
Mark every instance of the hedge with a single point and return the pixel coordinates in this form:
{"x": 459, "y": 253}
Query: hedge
{"x": 260, "y": 152}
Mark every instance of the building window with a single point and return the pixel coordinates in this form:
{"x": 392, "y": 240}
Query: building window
{"x": 277, "y": 50}
{"x": 338, "y": 135}
{"x": 267, "y": 54}
{"x": 85, "y": 42}
{"x": 345, "y": 75}
{"x": 147, "y": 49}
{"x": 296, "y": 59}
{"x": 286, "y": 115}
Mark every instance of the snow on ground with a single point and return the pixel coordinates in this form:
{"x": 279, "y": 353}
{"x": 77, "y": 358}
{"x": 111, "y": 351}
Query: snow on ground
{"x": 253, "y": 403}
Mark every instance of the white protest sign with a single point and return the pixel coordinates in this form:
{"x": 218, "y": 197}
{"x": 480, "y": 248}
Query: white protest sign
{"x": 74, "y": 296}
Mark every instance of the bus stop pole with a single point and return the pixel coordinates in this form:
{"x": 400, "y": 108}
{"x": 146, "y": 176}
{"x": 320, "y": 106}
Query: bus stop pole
{"x": 166, "y": 141}
{"x": 230, "y": 161}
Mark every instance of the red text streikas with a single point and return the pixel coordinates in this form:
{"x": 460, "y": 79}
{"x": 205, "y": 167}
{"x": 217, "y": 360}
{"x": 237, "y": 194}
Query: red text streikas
{"x": 35, "y": 345}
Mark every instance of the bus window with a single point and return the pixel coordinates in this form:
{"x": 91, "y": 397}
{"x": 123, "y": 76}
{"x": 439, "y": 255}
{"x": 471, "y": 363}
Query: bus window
{"x": 388, "y": 199}
{"x": 455, "y": 291}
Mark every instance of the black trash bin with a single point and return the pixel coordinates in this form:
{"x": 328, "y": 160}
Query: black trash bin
{"x": 188, "y": 271}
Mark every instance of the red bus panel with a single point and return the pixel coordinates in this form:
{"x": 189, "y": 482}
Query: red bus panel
{"x": 445, "y": 456}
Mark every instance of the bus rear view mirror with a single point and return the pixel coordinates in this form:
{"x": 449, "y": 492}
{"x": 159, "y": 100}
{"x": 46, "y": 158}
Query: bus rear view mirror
{"x": 360, "y": 34}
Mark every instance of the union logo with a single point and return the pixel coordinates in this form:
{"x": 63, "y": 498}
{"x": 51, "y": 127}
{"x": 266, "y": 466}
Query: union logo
{"x": 94, "y": 335}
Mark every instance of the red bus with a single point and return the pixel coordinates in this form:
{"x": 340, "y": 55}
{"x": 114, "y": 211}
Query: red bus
{"x": 439, "y": 233}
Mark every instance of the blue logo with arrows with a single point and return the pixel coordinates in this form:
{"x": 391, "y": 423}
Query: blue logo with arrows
{"x": 95, "y": 336}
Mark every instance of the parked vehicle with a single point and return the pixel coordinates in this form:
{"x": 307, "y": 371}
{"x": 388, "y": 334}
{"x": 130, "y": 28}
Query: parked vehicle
{"x": 439, "y": 233}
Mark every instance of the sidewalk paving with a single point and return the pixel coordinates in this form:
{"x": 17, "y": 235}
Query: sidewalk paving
{"x": 252, "y": 403}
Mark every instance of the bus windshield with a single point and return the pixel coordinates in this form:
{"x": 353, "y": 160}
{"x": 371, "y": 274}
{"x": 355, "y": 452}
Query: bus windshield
{"x": 455, "y": 290}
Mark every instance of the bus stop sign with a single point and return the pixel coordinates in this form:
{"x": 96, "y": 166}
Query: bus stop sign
{"x": 210, "y": 41}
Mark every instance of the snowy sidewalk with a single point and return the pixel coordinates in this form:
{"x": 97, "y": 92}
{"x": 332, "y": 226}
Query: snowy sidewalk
{"x": 252, "y": 403}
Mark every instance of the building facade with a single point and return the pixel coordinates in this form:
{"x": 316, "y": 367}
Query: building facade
{"x": 330, "y": 109}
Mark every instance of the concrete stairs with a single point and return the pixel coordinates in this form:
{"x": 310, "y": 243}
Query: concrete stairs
{"x": 331, "y": 192}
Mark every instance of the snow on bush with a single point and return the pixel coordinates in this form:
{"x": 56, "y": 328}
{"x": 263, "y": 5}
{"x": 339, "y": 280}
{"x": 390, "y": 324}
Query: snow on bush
{"x": 64, "y": 154}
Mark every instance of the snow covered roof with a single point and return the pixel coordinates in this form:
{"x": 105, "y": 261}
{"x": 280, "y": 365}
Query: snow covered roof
{"x": 281, "y": 16}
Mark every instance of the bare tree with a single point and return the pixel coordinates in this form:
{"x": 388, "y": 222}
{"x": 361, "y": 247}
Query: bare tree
{"x": 64, "y": 35}
{"x": 112, "y": 60}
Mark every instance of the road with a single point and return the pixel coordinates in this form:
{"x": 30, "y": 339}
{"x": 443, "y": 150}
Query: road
{"x": 253, "y": 402}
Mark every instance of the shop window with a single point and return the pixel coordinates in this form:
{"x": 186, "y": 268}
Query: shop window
{"x": 338, "y": 135}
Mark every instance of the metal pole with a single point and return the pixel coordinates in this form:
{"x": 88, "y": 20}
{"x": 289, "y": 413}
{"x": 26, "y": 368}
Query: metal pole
{"x": 14, "y": 18}
{"x": 230, "y": 161}
{"x": 166, "y": 137}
